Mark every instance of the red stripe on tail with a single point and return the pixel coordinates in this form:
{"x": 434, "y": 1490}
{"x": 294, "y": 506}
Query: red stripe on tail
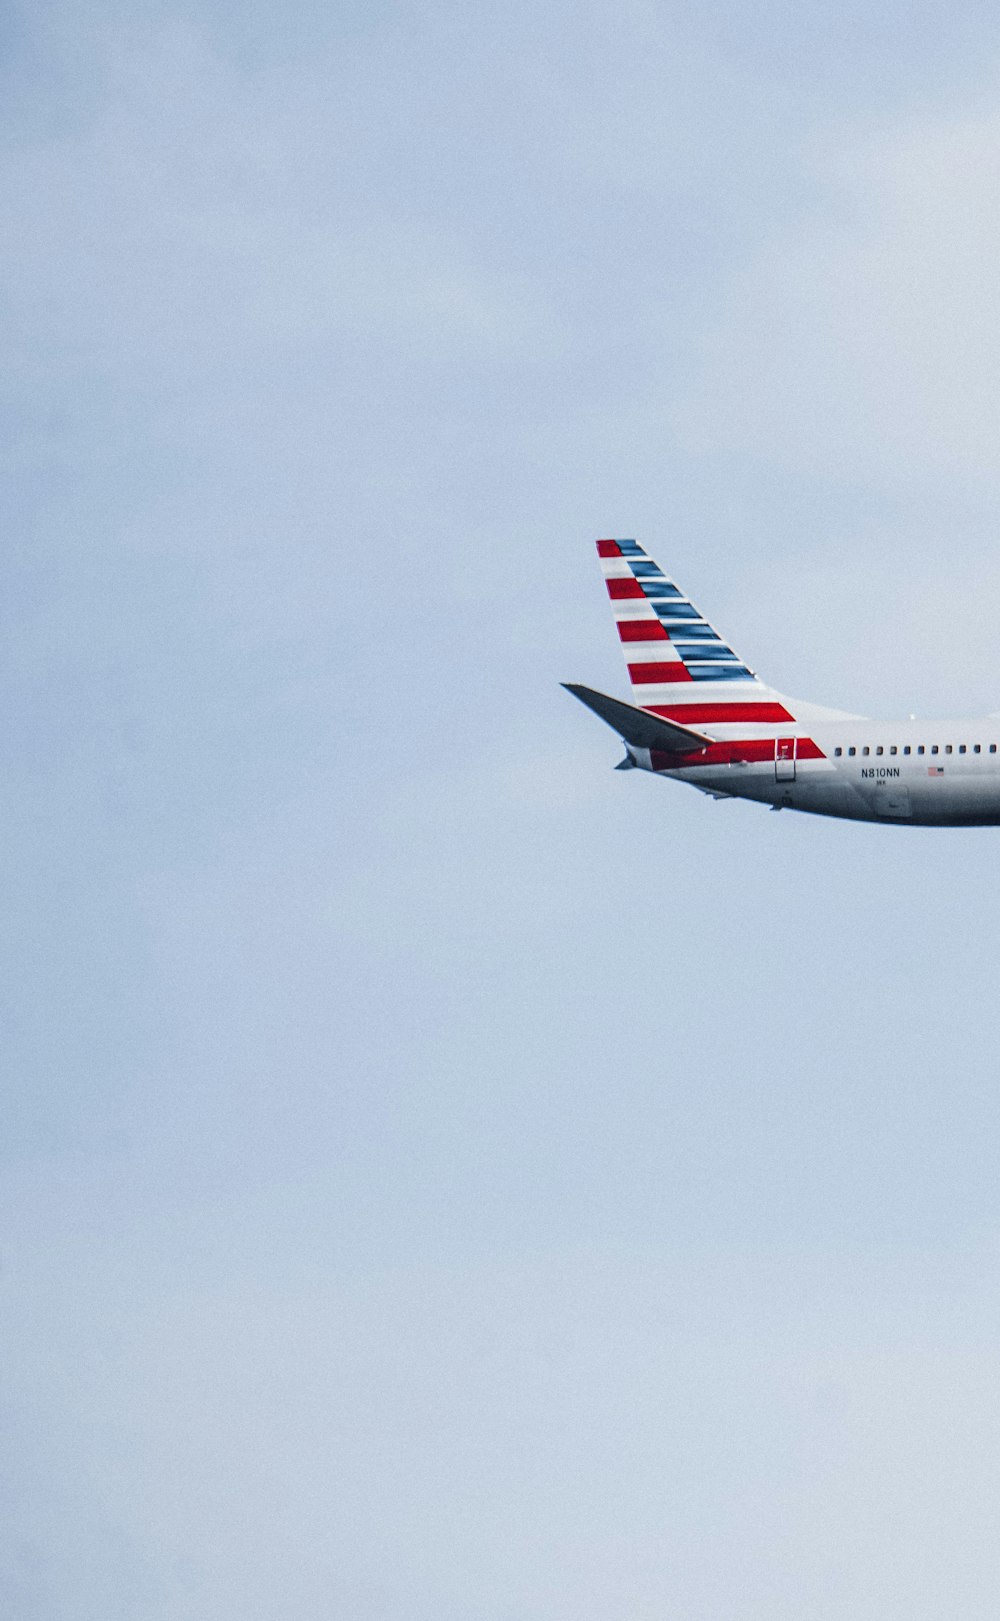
{"x": 720, "y": 714}
{"x": 645, "y": 675}
{"x": 643, "y": 630}
{"x": 618, "y": 590}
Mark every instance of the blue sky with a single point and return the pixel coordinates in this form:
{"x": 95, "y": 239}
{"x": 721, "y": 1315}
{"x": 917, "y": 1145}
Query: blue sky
{"x": 443, "y": 1178}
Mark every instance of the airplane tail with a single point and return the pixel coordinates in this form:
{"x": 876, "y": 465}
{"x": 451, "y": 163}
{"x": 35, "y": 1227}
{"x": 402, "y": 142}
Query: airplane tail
{"x": 679, "y": 666}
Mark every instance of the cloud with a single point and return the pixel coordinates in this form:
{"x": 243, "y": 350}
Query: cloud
{"x": 862, "y": 340}
{"x": 206, "y": 216}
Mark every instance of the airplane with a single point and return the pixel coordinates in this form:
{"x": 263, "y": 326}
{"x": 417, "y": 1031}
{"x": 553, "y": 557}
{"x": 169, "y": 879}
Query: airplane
{"x": 703, "y": 717}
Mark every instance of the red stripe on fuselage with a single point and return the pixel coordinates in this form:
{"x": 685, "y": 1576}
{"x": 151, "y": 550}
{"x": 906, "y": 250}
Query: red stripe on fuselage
{"x": 647, "y": 675}
{"x": 721, "y": 714}
{"x": 644, "y": 630}
{"x": 620, "y": 589}
{"x": 752, "y": 750}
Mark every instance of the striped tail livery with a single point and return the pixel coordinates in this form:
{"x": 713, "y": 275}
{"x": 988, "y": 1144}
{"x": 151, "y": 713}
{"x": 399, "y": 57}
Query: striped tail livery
{"x": 701, "y": 715}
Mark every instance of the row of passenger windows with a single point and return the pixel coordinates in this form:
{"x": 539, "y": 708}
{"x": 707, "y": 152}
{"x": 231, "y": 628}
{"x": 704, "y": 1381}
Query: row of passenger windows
{"x": 963, "y": 748}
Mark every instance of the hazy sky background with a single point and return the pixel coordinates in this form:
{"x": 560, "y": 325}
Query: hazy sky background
{"x": 444, "y": 1180}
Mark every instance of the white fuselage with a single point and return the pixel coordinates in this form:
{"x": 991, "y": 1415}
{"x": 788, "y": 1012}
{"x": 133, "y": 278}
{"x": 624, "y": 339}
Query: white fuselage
{"x": 926, "y": 773}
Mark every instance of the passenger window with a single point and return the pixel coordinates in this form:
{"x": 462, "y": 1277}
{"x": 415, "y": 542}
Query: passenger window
{"x": 852, "y": 751}
{"x": 893, "y": 749}
{"x": 962, "y": 749}
{"x": 993, "y": 748}
{"x": 935, "y": 749}
{"x": 977, "y": 748}
{"x": 947, "y": 748}
{"x": 906, "y": 748}
{"x": 880, "y": 750}
{"x": 920, "y": 748}
{"x": 866, "y": 749}
{"x": 838, "y": 752}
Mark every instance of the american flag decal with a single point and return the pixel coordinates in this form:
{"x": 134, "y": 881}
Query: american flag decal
{"x": 935, "y": 770}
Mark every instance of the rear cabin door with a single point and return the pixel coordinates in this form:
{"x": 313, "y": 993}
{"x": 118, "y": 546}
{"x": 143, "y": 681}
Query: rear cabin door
{"x": 892, "y": 800}
{"x": 784, "y": 759}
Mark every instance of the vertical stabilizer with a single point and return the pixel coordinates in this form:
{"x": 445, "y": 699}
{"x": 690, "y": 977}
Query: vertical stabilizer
{"x": 679, "y": 666}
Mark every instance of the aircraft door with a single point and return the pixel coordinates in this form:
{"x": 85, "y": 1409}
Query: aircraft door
{"x": 891, "y": 800}
{"x": 784, "y": 759}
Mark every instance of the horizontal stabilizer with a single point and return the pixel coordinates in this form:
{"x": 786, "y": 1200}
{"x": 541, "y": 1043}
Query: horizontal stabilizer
{"x": 637, "y": 726}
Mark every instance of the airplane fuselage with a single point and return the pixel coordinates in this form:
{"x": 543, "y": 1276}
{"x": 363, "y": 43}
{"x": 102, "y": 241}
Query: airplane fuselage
{"x": 930, "y": 774}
